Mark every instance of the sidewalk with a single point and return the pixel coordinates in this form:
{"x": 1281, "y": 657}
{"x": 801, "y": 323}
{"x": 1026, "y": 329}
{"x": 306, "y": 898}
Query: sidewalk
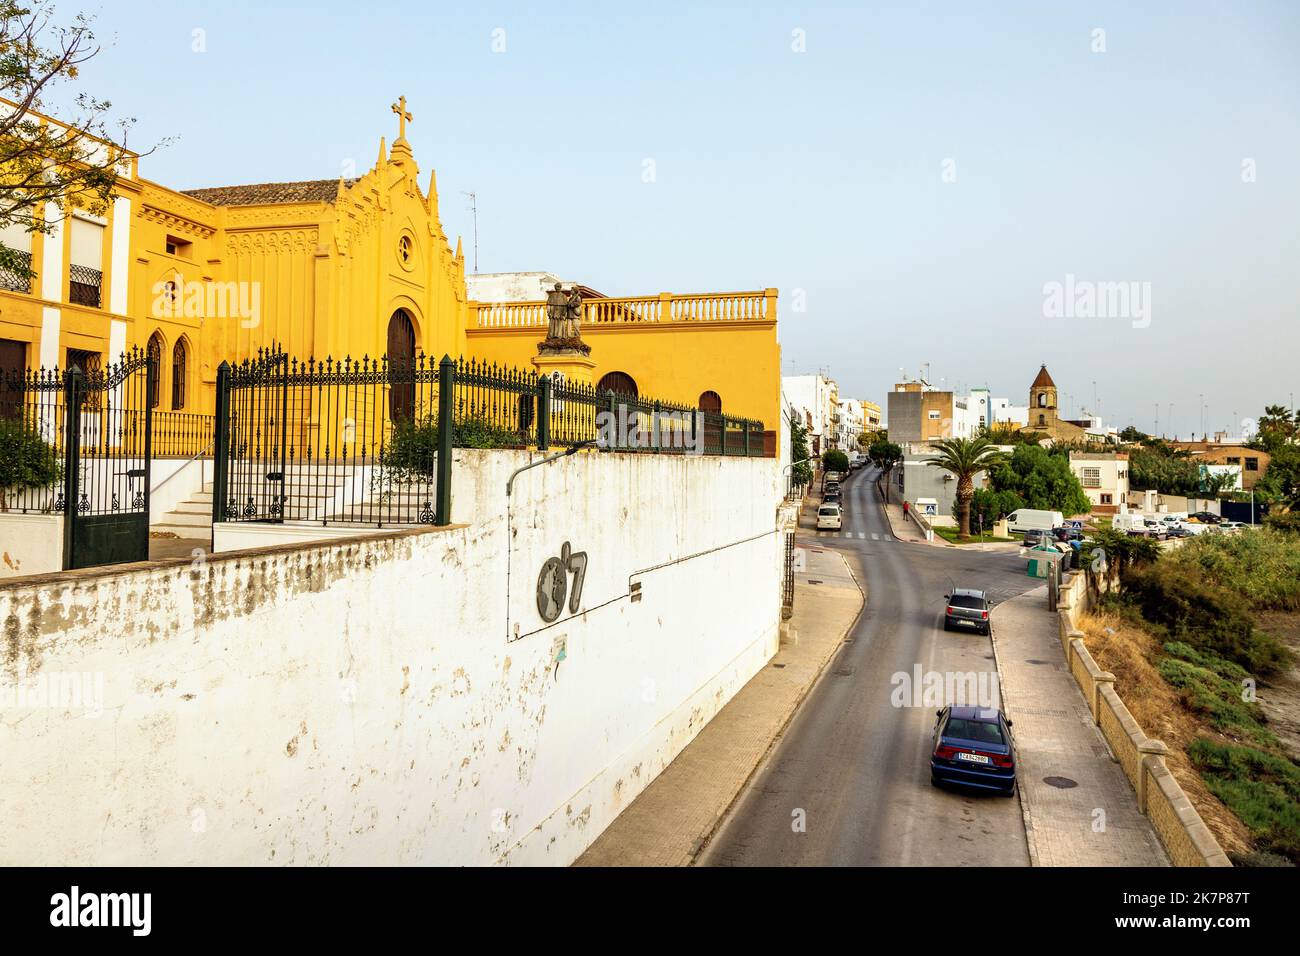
{"x": 1057, "y": 741}
{"x": 670, "y": 821}
{"x": 904, "y": 529}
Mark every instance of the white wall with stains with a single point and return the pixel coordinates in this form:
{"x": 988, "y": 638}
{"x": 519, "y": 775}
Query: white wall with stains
{"x": 395, "y": 698}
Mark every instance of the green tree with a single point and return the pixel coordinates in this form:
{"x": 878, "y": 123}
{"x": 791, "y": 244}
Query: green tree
{"x": 1043, "y": 480}
{"x": 885, "y": 454}
{"x": 66, "y": 164}
{"x": 1132, "y": 436}
{"x": 835, "y": 460}
{"x": 990, "y": 505}
{"x": 965, "y": 458}
{"x": 800, "y": 469}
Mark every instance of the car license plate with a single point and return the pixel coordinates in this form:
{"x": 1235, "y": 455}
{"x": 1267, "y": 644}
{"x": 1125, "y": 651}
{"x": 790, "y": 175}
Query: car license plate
{"x": 973, "y": 758}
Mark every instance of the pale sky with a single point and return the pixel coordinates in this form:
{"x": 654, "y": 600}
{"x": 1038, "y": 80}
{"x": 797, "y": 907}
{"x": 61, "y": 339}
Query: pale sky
{"x": 806, "y": 146}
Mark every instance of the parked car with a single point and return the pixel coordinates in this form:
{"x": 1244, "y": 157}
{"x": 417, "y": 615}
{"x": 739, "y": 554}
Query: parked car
{"x": 831, "y": 497}
{"x": 829, "y": 517}
{"x": 1233, "y": 527}
{"x": 967, "y": 608}
{"x": 1179, "y": 531}
{"x": 973, "y": 747}
{"x": 1067, "y": 534}
{"x": 1204, "y": 517}
{"x": 1156, "y": 529}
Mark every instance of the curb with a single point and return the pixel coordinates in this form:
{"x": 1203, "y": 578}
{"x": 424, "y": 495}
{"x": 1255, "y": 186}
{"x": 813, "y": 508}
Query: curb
{"x": 702, "y": 841}
{"x": 1031, "y": 840}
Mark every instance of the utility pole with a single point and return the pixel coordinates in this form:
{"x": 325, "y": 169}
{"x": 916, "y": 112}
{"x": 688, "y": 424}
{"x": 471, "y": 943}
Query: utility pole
{"x": 473, "y": 205}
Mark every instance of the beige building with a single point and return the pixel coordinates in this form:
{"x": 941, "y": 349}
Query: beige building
{"x": 1253, "y": 463}
{"x": 919, "y": 413}
{"x": 1104, "y": 476}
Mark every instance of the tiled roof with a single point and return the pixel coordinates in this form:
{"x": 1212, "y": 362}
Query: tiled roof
{"x": 1043, "y": 380}
{"x": 263, "y": 194}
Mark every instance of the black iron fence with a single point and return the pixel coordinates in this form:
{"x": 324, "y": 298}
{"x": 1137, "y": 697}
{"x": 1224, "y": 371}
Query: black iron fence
{"x": 369, "y": 441}
{"x": 77, "y": 443}
{"x": 182, "y": 434}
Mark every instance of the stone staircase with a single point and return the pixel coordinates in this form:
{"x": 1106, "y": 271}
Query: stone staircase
{"x": 312, "y": 497}
{"x": 191, "y": 518}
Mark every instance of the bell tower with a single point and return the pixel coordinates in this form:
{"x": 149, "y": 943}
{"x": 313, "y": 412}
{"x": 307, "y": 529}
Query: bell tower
{"x": 1042, "y": 401}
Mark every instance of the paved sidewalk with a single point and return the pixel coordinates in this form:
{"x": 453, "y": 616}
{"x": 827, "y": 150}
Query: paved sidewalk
{"x": 904, "y": 529}
{"x": 670, "y": 821}
{"x": 1057, "y": 740}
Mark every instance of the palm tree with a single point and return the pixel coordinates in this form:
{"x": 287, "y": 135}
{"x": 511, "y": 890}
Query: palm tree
{"x": 965, "y": 458}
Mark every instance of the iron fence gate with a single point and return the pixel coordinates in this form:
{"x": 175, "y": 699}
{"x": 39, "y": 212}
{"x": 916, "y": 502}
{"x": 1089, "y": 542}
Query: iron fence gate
{"x": 82, "y": 438}
{"x": 107, "y": 436}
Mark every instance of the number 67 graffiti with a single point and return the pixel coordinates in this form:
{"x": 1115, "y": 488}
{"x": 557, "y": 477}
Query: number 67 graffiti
{"x": 553, "y": 583}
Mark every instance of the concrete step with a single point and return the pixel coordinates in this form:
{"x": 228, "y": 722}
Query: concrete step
{"x": 194, "y": 507}
{"x": 188, "y": 532}
{"x": 189, "y": 519}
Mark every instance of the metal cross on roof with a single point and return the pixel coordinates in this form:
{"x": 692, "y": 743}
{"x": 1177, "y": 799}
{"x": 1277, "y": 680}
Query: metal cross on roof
{"x": 403, "y": 117}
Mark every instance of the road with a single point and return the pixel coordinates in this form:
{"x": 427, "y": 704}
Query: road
{"x": 856, "y": 765}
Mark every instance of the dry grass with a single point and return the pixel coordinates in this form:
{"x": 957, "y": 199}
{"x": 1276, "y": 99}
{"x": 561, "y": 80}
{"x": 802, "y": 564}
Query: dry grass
{"x": 1131, "y": 654}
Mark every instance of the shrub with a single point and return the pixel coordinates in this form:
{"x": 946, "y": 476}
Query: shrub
{"x": 1262, "y": 789}
{"x": 1262, "y": 566}
{"x": 1287, "y": 522}
{"x": 412, "y": 449}
{"x": 1195, "y": 611}
{"x": 26, "y": 459}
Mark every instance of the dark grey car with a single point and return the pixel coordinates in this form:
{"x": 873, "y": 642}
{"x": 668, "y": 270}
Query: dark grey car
{"x": 968, "y": 609}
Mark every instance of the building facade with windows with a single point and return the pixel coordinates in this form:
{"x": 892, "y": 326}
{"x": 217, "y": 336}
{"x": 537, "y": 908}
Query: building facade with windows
{"x": 341, "y": 268}
{"x": 1104, "y": 477}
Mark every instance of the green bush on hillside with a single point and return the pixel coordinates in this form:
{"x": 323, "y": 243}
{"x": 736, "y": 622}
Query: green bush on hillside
{"x": 1262, "y": 789}
{"x": 1192, "y": 609}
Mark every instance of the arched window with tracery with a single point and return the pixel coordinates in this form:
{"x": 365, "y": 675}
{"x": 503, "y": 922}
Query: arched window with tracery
{"x": 180, "y": 363}
{"x": 155, "y": 352}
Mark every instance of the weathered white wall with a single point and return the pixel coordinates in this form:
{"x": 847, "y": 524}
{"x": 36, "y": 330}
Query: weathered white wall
{"x": 367, "y": 701}
{"x": 30, "y": 544}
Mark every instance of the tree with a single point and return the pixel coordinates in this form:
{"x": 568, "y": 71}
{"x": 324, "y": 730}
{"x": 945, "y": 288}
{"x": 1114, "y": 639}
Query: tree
{"x": 1132, "y": 436}
{"x": 1278, "y": 426}
{"x": 835, "y": 460}
{"x": 800, "y": 470}
{"x": 965, "y": 458}
{"x": 885, "y": 454}
{"x": 1173, "y": 472}
{"x": 990, "y": 505}
{"x": 1043, "y": 480}
{"x": 73, "y": 163}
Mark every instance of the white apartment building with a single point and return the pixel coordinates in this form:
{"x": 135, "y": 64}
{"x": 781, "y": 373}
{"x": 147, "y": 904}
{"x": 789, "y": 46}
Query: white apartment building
{"x": 815, "y": 399}
{"x": 1104, "y": 476}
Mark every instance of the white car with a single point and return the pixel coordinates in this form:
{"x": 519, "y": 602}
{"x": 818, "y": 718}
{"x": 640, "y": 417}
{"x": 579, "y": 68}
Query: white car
{"x": 1233, "y": 527}
{"x": 830, "y": 518}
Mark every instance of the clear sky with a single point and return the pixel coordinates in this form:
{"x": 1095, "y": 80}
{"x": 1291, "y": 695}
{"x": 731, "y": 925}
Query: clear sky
{"x": 820, "y": 172}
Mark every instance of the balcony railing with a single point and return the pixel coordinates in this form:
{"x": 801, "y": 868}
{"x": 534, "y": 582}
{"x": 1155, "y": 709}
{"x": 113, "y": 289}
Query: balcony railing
{"x": 13, "y": 281}
{"x": 84, "y": 286}
{"x": 637, "y": 310}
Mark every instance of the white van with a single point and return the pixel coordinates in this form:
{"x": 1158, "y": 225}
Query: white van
{"x": 1133, "y": 521}
{"x": 1029, "y": 519}
{"x": 830, "y": 518}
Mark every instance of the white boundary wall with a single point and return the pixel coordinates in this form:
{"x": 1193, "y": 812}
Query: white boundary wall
{"x": 358, "y": 701}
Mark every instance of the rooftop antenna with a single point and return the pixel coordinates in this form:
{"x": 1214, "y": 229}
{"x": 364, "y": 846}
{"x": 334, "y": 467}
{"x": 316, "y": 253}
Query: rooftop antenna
{"x": 473, "y": 205}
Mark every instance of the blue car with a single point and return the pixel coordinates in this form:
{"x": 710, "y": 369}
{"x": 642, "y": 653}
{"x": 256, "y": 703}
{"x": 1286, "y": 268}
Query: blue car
{"x": 973, "y": 747}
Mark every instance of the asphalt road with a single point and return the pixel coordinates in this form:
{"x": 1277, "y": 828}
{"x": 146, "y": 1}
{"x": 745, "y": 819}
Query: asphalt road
{"x": 852, "y": 766}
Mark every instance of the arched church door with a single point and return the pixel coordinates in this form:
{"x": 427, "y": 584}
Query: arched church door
{"x": 401, "y": 367}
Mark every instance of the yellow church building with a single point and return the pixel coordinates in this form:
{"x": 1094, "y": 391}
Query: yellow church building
{"x": 340, "y": 267}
